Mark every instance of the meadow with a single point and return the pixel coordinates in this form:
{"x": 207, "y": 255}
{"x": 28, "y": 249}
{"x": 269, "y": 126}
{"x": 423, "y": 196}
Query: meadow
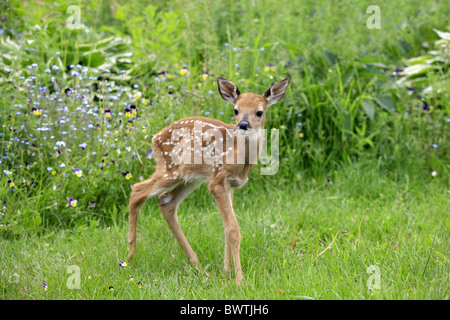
{"x": 359, "y": 208}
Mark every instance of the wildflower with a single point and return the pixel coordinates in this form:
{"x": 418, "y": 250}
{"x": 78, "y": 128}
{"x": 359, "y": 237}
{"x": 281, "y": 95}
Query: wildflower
{"x": 107, "y": 113}
{"x": 435, "y": 145}
{"x": 123, "y": 264}
{"x": 205, "y": 75}
{"x": 128, "y": 148}
{"x": 133, "y": 109}
{"x": 161, "y": 74}
{"x": 410, "y": 91}
{"x": 139, "y": 285}
{"x": 111, "y": 288}
{"x": 397, "y": 72}
{"x": 137, "y": 95}
{"x": 36, "y": 112}
{"x": 83, "y": 145}
{"x": 72, "y": 202}
{"x": 93, "y": 204}
{"x": 60, "y": 143}
{"x": 131, "y": 279}
{"x": 425, "y": 107}
{"x": 149, "y": 154}
{"x": 127, "y": 175}
{"x": 434, "y": 173}
{"x": 11, "y": 184}
{"x": 301, "y": 135}
{"x": 44, "y": 285}
{"x": 183, "y": 71}
{"x": 270, "y": 67}
{"x": 127, "y": 112}
{"x": 77, "y": 172}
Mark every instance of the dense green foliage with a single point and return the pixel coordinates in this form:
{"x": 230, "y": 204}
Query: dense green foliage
{"x": 64, "y": 93}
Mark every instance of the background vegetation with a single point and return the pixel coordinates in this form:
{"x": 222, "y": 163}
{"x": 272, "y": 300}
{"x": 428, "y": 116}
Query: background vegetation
{"x": 364, "y": 129}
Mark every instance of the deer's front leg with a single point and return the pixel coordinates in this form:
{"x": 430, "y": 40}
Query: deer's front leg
{"x": 223, "y": 194}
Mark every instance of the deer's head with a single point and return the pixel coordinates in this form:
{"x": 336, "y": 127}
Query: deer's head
{"x": 250, "y": 108}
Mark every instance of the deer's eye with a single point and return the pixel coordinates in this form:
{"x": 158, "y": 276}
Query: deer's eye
{"x": 259, "y": 114}
{"x": 236, "y": 112}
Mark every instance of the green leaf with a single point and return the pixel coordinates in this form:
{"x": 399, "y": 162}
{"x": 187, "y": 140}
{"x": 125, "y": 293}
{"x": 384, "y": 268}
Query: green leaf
{"x": 331, "y": 57}
{"x": 418, "y": 69}
{"x": 369, "y": 108}
{"x": 94, "y": 60}
{"x": 442, "y": 34}
{"x": 386, "y": 103}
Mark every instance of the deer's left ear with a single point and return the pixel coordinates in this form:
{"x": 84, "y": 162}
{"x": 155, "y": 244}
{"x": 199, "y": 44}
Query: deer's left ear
{"x": 276, "y": 92}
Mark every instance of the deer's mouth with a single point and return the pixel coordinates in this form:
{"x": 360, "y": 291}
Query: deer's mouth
{"x": 246, "y": 132}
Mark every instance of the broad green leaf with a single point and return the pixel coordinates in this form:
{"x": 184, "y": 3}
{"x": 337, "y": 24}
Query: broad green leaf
{"x": 442, "y": 34}
{"x": 369, "y": 108}
{"x": 386, "y": 103}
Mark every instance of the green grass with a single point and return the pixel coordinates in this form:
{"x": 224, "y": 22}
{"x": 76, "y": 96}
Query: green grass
{"x": 400, "y": 227}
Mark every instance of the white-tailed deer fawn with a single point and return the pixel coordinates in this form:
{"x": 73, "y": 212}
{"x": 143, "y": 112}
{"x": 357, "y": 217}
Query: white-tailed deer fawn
{"x": 196, "y": 150}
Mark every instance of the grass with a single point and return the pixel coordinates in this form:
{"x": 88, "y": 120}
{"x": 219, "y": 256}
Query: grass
{"x": 397, "y": 226}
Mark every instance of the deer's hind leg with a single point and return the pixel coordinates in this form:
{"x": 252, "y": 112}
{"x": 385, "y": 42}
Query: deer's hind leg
{"x": 140, "y": 193}
{"x": 168, "y": 204}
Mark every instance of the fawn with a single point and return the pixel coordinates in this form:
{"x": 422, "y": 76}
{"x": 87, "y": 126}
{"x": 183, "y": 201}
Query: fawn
{"x": 181, "y": 166}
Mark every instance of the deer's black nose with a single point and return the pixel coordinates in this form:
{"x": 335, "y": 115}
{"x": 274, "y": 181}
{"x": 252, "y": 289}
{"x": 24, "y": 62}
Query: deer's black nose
{"x": 244, "y": 125}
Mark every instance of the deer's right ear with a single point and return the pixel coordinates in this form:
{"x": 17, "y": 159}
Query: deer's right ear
{"x": 228, "y": 90}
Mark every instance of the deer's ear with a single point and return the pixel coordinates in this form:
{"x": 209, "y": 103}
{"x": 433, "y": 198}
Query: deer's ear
{"x": 228, "y": 90}
{"x": 276, "y": 92}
